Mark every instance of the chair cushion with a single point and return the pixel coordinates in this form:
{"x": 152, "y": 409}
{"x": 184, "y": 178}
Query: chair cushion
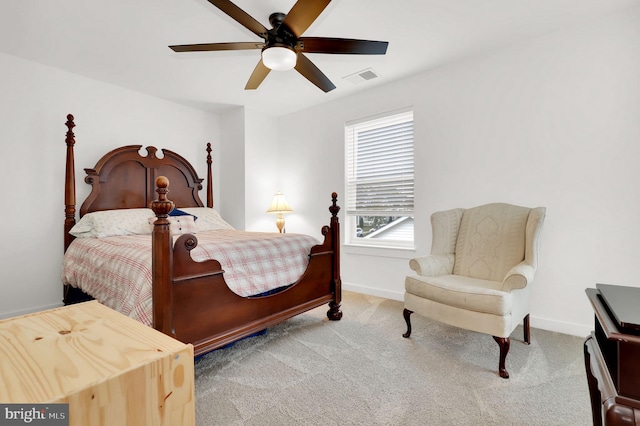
{"x": 491, "y": 241}
{"x": 462, "y": 292}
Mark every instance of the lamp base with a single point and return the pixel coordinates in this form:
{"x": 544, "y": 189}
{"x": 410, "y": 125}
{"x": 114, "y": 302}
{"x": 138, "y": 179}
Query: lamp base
{"x": 280, "y": 222}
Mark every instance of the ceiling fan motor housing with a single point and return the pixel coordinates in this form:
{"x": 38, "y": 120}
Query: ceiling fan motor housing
{"x": 279, "y": 35}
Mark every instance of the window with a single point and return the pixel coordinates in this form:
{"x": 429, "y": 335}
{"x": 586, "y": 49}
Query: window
{"x": 379, "y": 170}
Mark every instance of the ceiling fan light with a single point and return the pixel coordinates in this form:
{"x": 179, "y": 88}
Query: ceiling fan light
{"x": 279, "y": 58}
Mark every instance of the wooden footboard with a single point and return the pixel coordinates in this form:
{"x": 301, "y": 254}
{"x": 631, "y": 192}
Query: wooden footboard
{"x": 192, "y": 302}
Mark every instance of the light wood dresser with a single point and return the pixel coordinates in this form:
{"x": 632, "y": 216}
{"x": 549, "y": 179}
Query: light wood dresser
{"x": 110, "y": 369}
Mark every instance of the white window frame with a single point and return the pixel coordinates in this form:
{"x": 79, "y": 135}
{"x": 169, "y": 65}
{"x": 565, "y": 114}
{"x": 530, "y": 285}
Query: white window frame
{"x": 397, "y": 157}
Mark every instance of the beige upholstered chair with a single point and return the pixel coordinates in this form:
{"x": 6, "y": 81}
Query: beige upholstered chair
{"x": 478, "y": 276}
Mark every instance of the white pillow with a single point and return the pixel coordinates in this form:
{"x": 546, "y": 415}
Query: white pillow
{"x": 109, "y": 223}
{"x": 208, "y": 219}
{"x": 179, "y": 224}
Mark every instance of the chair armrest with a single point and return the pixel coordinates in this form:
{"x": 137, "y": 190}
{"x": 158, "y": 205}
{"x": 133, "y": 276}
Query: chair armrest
{"x": 434, "y": 265}
{"x": 518, "y": 277}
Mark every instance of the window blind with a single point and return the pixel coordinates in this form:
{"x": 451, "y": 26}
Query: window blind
{"x": 379, "y": 161}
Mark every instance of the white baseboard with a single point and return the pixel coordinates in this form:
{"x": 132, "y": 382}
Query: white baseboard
{"x": 4, "y": 315}
{"x": 536, "y": 322}
{"x": 561, "y": 327}
{"x": 393, "y": 295}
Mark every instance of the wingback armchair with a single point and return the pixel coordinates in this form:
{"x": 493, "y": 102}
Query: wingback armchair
{"x": 479, "y": 274}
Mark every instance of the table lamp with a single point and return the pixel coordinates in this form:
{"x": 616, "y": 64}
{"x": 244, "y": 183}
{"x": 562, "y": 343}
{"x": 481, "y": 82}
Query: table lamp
{"x": 279, "y": 205}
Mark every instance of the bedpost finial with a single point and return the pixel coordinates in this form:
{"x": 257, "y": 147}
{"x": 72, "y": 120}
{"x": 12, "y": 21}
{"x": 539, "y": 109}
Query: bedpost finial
{"x": 162, "y": 206}
{"x": 335, "y": 208}
{"x": 70, "y": 124}
{"x": 162, "y": 182}
{"x": 70, "y": 139}
{"x": 209, "y": 153}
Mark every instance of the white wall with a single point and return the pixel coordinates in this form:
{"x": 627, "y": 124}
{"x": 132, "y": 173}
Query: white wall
{"x": 231, "y": 203}
{"x": 33, "y": 107}
{"x": 553, "y": 122}
{"x": 249, "y": 168}
{"x": 261, "y": 145}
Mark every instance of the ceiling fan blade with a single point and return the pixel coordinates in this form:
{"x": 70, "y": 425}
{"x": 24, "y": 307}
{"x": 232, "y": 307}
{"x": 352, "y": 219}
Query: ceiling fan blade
{"x": 342, "y": 45}
{"x": 207, "y": 47}
{"x": 240, "y": 16}
{"x": 312, "y": 73}
{"x": 302, "y": 15}
{"x": 257, "y": 76}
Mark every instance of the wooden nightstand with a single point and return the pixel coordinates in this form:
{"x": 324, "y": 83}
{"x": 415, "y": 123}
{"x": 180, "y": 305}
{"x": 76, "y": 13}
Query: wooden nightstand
{"x": 611, "y": 355}
{"x": 110, "y": 369}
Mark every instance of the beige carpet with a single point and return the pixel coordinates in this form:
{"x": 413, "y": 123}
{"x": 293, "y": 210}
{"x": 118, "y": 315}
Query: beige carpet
{"x": 361, "y": 371}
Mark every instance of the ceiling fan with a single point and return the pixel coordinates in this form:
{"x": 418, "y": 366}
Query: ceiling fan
{"x": 283, "y": 45}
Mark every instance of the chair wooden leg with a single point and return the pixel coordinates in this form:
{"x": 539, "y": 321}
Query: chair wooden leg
{"x": 407, "y": 313}
{"x": 504, "y": 344}
{"x": 527, "y": 330}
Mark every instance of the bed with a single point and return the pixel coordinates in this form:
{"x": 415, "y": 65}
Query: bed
{"x": 189, "y": 296}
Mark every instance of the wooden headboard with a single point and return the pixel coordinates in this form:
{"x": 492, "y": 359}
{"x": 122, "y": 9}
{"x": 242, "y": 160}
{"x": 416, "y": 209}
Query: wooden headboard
{"x": 124, "y": 179}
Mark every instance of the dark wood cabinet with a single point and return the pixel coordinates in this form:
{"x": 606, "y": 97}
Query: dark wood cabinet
{"x": 612, "y": 355}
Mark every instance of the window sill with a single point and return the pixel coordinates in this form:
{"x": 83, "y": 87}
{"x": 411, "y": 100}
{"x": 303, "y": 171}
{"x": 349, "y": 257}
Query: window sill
{"x": 380, "y": 251}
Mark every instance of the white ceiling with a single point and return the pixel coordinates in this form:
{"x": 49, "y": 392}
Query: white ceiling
{"x": 124, "y": 42}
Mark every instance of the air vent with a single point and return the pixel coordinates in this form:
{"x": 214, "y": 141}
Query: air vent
{"x": 360, "y": 76}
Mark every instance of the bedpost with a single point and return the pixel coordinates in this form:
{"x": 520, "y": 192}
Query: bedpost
{"x": 209, "y": 178}
{"x": 70, "y": 294}
{"x": 334, "y": 312}
{"x": 162, "y": 260}
{"x": 69, "y": 184}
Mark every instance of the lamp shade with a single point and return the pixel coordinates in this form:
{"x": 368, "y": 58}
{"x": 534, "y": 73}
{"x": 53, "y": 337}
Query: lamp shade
{"x": 279, "y": 204}
{"x": 279, "y": 58}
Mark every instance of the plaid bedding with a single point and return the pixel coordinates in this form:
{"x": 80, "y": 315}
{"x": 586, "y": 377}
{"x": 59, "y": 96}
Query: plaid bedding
{"x": 116, "y": 271}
